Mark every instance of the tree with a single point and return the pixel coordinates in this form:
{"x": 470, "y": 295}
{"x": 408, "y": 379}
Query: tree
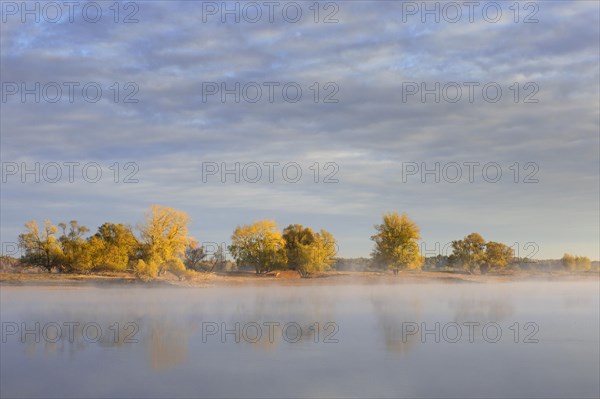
{"x": 469, "y": 252}
{"x": 194, "y": 254}
{"x": 76, "y": 254}
{"x": 396, "y": 243}
{"x": 258, "y": 245}
{"x": 145, "y": 270}
{"x": 436, "y": 262}
{"x": 572, "y": 263}
{"x": 41, "y": 249}
{"x": 176, "y": 266}
{"x": 497, "y": 256}
{"x": 326, "y": 251}
{"x": 569, "y": 262}
{"x": 219, "y": 258}
{"x": 583, "y": 263}
{"x": 113, "y": 247}
{"x": 297, "y": 239}
{"x": 308, "y": 252}
{"x": 164, "y": 236}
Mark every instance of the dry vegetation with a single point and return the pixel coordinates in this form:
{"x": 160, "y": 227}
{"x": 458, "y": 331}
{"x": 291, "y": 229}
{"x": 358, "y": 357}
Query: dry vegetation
{"x": 200, "y": 280}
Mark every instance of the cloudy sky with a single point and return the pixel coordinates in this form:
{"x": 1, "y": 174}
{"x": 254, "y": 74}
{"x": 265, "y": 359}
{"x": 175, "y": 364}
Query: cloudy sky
{"x": 384, "y": 96}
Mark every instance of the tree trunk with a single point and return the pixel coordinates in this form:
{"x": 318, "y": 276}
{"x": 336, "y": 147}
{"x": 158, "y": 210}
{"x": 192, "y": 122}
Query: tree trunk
{"x": 48, "y": 264}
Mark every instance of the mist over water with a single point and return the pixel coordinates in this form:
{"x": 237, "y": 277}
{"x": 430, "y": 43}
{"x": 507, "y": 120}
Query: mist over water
{"x": 316, "y": 341}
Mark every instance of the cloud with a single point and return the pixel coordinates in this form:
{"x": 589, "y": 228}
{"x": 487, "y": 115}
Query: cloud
{"x": 364, "y": 62}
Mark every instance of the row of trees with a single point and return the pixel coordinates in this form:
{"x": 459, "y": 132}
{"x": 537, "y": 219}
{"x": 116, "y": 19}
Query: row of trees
{"x": 160, "y": 247}
{"x": 572, "y": 262}
{"x": 396, "y": 246}
{"x": 263, "y": 247}
{"x": 474, "y": 253}
{"x": 162, "y": 244}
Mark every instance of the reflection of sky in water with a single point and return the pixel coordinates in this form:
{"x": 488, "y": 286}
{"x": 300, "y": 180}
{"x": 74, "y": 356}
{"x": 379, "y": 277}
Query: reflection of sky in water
{"x": 370, "y": 359}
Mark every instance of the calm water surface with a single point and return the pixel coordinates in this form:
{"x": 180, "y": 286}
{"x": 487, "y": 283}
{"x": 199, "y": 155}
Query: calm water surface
{"x": 420, "y": 340}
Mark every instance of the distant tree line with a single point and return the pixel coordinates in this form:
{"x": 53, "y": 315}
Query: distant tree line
{"x": 572, "y": 262}
{"x": 396, "y": 247}
{"x": 162, "y": 245}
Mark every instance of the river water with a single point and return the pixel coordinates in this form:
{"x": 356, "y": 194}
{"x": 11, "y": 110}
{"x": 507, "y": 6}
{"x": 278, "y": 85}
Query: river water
{"x": 534, "y": 339}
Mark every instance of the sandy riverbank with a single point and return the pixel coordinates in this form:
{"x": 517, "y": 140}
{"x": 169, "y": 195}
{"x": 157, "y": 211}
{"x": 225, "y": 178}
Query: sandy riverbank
{"x": 286, "y": 278}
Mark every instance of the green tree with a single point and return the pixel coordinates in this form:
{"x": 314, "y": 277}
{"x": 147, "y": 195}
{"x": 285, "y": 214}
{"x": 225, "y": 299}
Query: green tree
{"x": 165, "y": 237}
{"x": 258, "y": 245}
{"x": 308, "y": 252}
{"x": 497, "y": 256}
{"x": 41, "y": 248}
{"x": 396, "y": 243}
{"x": 469, "y": 252}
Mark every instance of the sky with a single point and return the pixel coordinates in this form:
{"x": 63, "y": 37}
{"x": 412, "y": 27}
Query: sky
{"x": 469, "y": 120}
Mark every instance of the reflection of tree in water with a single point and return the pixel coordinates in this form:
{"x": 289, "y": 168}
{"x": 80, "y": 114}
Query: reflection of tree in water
{"x": 72, "y": 338}
{"x": 577, "y": 300}
{"x": 165, "y": 339}
{"x": 167, "y": 343}
{"x": 481, "y": 310}
{"x": 390, "y": 312}
{"x": 284, "y": 306}
{"x": 168, "y": 320}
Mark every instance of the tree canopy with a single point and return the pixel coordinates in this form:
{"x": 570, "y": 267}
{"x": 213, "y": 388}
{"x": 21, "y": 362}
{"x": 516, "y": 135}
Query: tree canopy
{"x": 41, "y": 248}
{"x": 396, "y": 243}
{"x": 162, "y": 244}
{"x": 164, "y": 240}
{"x": 259, "y": 245}
{"x": 473, "y": 253}
{"x": 572, "y": 262}
{"x": 308, "y": 252}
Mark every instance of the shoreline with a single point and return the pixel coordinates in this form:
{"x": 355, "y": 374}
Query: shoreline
{"x": 241, "y": 279}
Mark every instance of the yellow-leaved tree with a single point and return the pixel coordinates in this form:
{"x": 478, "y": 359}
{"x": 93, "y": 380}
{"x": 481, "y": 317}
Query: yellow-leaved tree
{"x": 113, "y": 247}
{"x": 41, "y": 248}
{"x": 572, "y": 263}
{"x": 396, "y": 243}
{"x": 76, "y": 252}
{"x": 497, "y": 256}
{"x": 164, "y": 237}
{"x": 469, "y": 252}
{"x": 308, "y": 252}
{"x": 258, "y": 245}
